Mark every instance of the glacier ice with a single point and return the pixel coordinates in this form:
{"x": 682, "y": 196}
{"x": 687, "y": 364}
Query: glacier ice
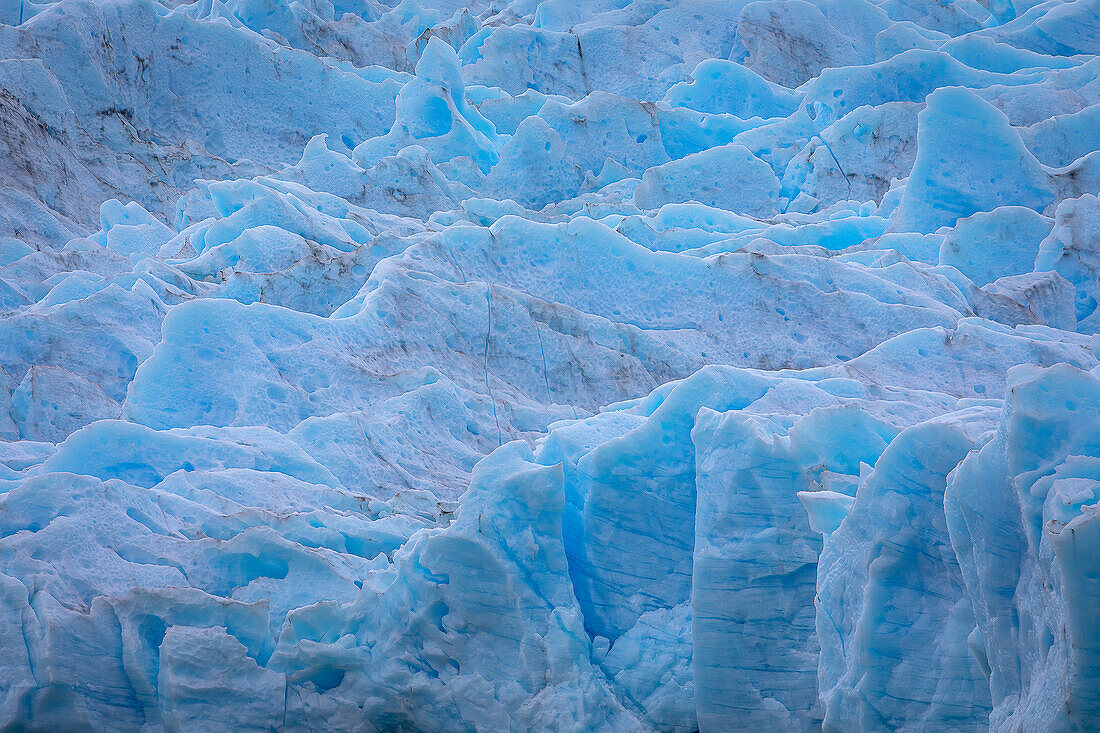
{"x": 546, "y": 365}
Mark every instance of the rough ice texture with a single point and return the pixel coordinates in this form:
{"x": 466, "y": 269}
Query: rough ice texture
{"x": 549, "y": 366}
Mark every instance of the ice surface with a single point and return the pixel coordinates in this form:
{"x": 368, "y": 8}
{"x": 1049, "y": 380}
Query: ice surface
{"x": 520, "y": 365}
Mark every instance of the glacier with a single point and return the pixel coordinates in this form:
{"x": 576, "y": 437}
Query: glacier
{"x": 547, "y": 365}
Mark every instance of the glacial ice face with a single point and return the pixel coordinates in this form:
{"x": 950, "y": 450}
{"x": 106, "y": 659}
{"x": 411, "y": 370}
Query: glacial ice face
{"x": 1024, "y": 502}
{"x": 490, "y": 365}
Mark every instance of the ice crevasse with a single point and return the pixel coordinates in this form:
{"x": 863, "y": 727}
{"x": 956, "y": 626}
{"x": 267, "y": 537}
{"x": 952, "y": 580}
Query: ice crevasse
{"x": 544, "y": 365}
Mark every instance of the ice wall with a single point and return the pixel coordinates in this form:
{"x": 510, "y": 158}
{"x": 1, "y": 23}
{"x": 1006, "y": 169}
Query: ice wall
{"x": 676, "y": 365}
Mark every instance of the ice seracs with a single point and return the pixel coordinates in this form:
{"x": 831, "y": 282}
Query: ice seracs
{"x": 549, "y": 366}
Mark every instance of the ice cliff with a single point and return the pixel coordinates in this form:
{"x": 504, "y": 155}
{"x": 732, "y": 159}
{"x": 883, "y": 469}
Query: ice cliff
{"x": 547, "y": 365}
